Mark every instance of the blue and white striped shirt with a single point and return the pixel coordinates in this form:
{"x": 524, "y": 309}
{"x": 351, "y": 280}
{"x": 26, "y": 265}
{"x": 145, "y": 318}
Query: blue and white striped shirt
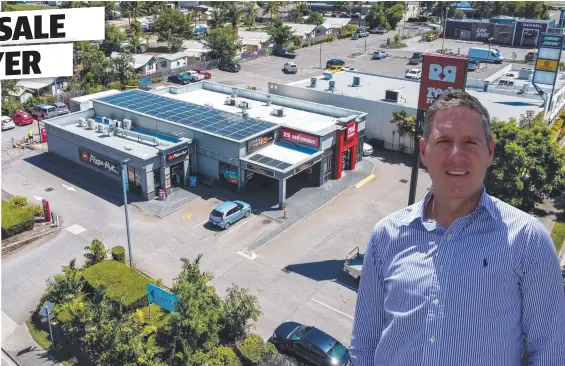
{"x": 463, "y": 295}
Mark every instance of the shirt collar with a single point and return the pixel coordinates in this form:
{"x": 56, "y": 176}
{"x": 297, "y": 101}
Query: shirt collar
{"x": 417, "y": 210}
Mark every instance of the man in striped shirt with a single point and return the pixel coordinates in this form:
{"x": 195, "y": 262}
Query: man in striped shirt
{"x": 459, "y": 278}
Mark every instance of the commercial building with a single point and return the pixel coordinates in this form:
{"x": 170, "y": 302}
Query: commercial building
{"x": 380, "y": 96}
{"x": 213, "y": 133}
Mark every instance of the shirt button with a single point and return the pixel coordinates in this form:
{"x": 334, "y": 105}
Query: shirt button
{"x": 436, "y": 301}
{"x": 432, "y": 339}
{"x": 449, "y": 236}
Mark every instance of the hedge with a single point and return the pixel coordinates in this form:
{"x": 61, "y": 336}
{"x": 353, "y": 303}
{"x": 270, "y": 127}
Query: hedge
{"x": 122, "y": 282}
{"x": 254, "y": 350}
{"x": 15, "y": 219}
{"x": 119, "y": 253}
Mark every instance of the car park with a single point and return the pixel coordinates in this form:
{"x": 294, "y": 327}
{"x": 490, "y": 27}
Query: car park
{"x": 415, "y": 74}
{"x": 290, "y": 68}
{"x": 207, "y": 74}
{"x": 61, "y": 108}
{"x": 309, "y": 344}
{"x": 179, "y": 79}
{"x": 230, "y": 66}
{"x": 416, "y": 59}
{"x": 228, "y": 213}
{"x": 379, "y": 54}
{"x": 334, "y": 62}
{"x": 22, "y": 118}
{"x": 7, "y": 123}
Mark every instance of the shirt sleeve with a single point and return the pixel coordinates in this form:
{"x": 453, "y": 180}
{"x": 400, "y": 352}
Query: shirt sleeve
{"x": 369, "y": 311}
{"x": 543, "y": 301}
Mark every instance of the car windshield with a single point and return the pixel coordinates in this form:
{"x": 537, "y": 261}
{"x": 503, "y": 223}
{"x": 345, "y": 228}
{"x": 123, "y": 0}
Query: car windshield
{"x": 299, "y": 333}
{"x": 337, "y": 351}
{"x": 216, "y": 213}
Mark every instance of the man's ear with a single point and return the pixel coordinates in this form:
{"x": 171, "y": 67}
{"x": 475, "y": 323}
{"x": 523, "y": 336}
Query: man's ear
{"x": 491, "y": 151}
{"x": 422, "y": 145}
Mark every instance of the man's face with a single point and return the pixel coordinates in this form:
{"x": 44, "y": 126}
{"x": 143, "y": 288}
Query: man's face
{"x": 456, "y": 153}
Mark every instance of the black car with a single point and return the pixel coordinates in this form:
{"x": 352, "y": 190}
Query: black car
{"x": 416, "y": 59}
{"x": 310, "y": 345}
{"x": 334, "y": 62}
{"x": 230, "y": 66}
{"x": 531, "y": 56}
{"x": 179, "y": 79}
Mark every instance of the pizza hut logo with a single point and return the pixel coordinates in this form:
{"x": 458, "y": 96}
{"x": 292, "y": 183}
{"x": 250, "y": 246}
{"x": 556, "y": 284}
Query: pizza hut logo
{"x": 177, "y": 154}
{"x": 85, "y": 156}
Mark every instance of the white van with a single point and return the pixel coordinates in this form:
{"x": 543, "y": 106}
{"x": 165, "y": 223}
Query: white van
{"x": 367, "y": 149}
{"x": 485, "y": 55}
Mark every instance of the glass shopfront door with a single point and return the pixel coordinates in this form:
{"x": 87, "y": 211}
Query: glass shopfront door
{"x": 134, "y": 180}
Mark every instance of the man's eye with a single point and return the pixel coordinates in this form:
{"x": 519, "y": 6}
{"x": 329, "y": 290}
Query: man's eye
{"x": 472, "y": 142}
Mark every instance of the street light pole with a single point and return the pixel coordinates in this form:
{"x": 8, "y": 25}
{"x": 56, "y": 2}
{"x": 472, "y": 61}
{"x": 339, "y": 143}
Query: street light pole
{"x": 321, "y": 55}
{"x": 444, "y": 27}
{"x": 124, "y": 175}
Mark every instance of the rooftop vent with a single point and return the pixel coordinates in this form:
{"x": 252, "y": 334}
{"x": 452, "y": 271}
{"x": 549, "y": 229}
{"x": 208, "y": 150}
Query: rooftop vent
{"x": 313, "y": 82}
{"x": 332, "y": 85}
{"x": 356, "y": 81}
{"x": 392, "y": 95}
{"x": 278, "y": 112}
{"x": 243, "y": 104}
{"x": 269, "y": 99}
{"x": 245, "y": 113}
{"x": 82, "y": 122}
{"x": 234, "y": 93}
{"x": 127, "y": 124}
{"x": 91, "y": 123}
{"x": 230, "y": 101}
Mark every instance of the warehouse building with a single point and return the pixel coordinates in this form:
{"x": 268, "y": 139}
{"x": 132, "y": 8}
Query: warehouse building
{"x": 213, "y": 134}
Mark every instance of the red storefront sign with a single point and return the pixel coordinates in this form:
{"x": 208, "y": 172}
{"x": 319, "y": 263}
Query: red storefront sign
{"x": 440, "y": 73}
{"x": 300, "y": 138}
{"x": 344, "y": 143}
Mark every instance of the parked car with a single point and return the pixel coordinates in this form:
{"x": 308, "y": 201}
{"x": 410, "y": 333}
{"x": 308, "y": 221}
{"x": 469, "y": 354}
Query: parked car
{"x": 179, "y": 79}
{"x": 531, "y": 56}
{"x": 355, "y": 36}
{"x": 415, "y": 74}
{"x": 473, "y": 65}
{"x": 7, "y": 123}
{"x": 334, "y": 62}
{"x": 328, "y": 14}
{"x": 379, "y": 54}
{"x": 356, "y": 15}
{"x": 228, "y": 213}
{"x": 22, "y": 118}
{"x": 344, "y": 15}
{"x": 44, "y": 111}
{"x": 193, "y": 76}
{"x": 362, "y": 32}
{"x": 201, "y": 71}
{"x": 287, "y": 53}
{"x": 378, "y": 30}
{"x": 367, "y": 149}
{"x": 416, "y": 59}
{"x": 309, "y": 344}
{"x": 230, "y": 66}
{"x": 61, "y": 108}
{"x": 290, "y": 68}
{"x": 486, "y": 55}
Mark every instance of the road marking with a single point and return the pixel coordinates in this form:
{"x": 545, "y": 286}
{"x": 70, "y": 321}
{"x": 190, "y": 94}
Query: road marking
{"x": 250, "y": 256}
{"x": 188, "y": 216}
{"x": 203, "y": 222}
{"x": 237, "y": 227}
{"x": 365, "y": 180}
{"x": 39, "y": 198}
{"x": 76, "y": 229}
{"x": 329, "y": 307}
{"x": 69, "y": 188}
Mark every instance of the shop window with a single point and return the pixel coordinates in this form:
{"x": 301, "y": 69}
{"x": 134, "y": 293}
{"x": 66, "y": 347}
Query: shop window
{"x": 229, "y": 173}
{"x": 134, "y": 180}
{"x": 157, "y": 179}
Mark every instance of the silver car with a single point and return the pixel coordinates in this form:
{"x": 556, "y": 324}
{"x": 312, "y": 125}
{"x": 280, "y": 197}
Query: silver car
{"x": 7, "y": 123}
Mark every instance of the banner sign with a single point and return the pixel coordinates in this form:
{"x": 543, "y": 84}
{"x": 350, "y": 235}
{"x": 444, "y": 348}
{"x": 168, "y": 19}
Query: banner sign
{"x": 99, "y": 161}
{"x": 299, "y": 137}
{"x": 177, "y": 155}
{"x": 160, "y": 297}
{"x": 350, "y": 132}
{"x": 440, "y": 73}
{"x": 546, "y": 65}
{"x": 551, "y": 40}
{"x": 257, "y": 142}
{"x": 21, "y": 29}
{"x": 549, "y": 55}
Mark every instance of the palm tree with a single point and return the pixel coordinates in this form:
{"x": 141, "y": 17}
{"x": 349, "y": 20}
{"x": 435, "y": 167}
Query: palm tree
{"x": 218, "y": 18}
{"x": 250, "y": 13}
{"x": 233, "y": 12}
{"x": 296, "y": 15}
{"x": 271, "y": 7}
{"x": 133, "y": 9}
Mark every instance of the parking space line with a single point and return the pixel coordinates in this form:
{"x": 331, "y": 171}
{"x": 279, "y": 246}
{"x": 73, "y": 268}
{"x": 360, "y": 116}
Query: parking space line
{"x": 203, "y": 222}
{"x": 365, "y": 180}
{"x": 329, "y": 307}
{"x": 237, "y": 227}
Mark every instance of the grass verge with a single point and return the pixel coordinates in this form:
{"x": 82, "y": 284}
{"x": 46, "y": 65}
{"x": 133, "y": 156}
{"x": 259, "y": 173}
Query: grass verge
{"x": 40, "y": 337}
{"x": 558, "y": 232}
{"x": 23, "y": 7}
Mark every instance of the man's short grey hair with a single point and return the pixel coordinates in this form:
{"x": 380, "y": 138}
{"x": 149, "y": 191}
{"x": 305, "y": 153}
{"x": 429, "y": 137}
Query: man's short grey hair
{"x": 457, "y": 98}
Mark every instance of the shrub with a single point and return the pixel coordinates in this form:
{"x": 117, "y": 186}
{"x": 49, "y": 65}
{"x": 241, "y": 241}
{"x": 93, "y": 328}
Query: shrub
{"x": 15, "y": 220}
{"x": 115, "y": 85}
{"x": 292, "y": 48}
{"x": 345, "y": 35}
{"x": 329, "y": 38}
{"x": 119, "y": 253}
{"x": 556, "y": 129}
{"x": 96, "y": 252}
{"x": 158, "y": 80}
{"x": 122, "y": 282}
{"x": 254, "y": 350}
{"x": 218, "y": 356}
{"x": 397, "y": 38}
{"x": 19, "y": 201}
{"x": 36, "y": 210}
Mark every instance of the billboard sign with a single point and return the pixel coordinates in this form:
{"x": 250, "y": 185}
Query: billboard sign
{"x": 549, "y": 55}
{"x": 300, "y": 138}
{"x": 160, "y": 297}
{"x": 177, "y": 155}
{"x": 259, "y": 141}
{"x": 441, "y": 73}
{"x": 99, "y": 161}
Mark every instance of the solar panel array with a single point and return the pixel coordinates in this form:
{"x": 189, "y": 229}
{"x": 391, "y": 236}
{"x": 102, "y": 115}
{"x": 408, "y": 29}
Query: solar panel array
{"x": 270, "y": 161}
{"x": 202, "y": 118}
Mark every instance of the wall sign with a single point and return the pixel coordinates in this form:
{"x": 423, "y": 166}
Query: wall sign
{"x": 99, "y": 161}
{"x": 299, "y": 137}
{"x": 258, "y": 169}
{"x": 533, "y": 25}
{"x": 351, "y": 129}
{"x": 440, "y": 73}
{"x": 551, "y": 40}
{"x": 549, "y": 55}
{"x": 257, "y": 142}
{"x": 177, "y": 155}
{"x": 546, "y": 65}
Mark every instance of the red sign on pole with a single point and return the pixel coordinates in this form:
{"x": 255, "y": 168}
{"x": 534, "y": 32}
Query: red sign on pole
{"x": 46, "y": 210}
{"x": 43, "y": 136}
{"x": 351, "y": 129}
{"x": 300, "y": 138}
{"x": 440, "y": 73}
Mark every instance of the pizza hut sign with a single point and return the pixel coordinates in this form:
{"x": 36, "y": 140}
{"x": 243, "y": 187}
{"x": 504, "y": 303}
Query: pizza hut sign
{"x": 177, "y": 155}
{"x": 440, "y": 73}
{"x": 98, "y": 161}
{"x": 300, "y": 138}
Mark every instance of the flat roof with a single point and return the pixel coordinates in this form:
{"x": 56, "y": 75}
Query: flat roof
{"x": 88, "y": 97}
{"x": 281, "y": 156}
{"x": 196, "y": 117}
{"x": 373, "y": 87}
{"x": 294, "y": 118}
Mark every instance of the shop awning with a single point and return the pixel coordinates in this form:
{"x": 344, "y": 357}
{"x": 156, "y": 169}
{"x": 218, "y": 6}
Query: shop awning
{"x": 284, "y": 157}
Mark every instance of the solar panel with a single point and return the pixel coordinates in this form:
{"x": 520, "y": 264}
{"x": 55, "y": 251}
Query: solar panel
{"x": 191, "y": 115}
{"x": 262, "y": 159}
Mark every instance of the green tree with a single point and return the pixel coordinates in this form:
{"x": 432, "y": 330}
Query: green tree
{"x": 218, "y": 356}
{"x": 95, "y": 65}
{"x": 174, "y": 27}
{"x": 394, "y": 15}
{"x": 240, "y": 307}
{"x": 281, "y": 33}
{"x": 376, "y": 16}
{"x": 255, "y": 351}
{"x": 233, "y": 13}
{"x": 122, "y": 67}
{"x": 218, "y": 18}
{"x": 223, "y": 43}
{"x": 96, "y": 252}
{"x": 195, "y": 325}
{"x": 64, "y": 287}
{"x": 405, "y": 125}
{"x": 316, "y": 18}
{"x": 296, "y": 15}
{"x": 459, "y": 14}
{"x": 132, "y": 9}
{"x": 527, "y": 167}
{"x": 271, "y": 7}
{"x": 9, "y": 88}
{"x": 251, "y": 9}
{"x": 113, "y": 37}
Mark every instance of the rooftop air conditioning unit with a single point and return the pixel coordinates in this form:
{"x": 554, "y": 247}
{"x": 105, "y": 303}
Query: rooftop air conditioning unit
{"x": 119, "y": 124}
{"x": 100, "y": 127}
{"x": 356, "y": 81}
{"x": 332, "y": 85}
{"x": 244, "y": 113}
{"x": 127, "y": 124}
{"x": 82, "y": 122}
{"x": 230, "y": 101}
{"x": 392, "y": 95}
{"x": 313, "y": 82}
{"x": 243, "y": 105}
{"x": 91, "y": 123}
{"x": 278, "y": 111}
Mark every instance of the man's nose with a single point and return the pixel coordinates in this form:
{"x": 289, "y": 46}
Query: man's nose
{"x": 458, "y": 153}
